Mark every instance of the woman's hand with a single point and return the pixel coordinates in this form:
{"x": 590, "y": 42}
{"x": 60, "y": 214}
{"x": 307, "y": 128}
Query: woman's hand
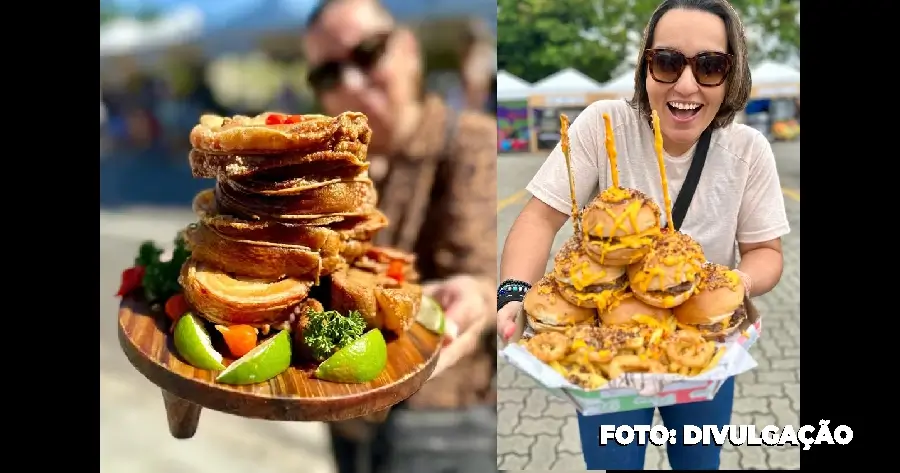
{"x": 745, "y": 279}
{"x": 461, "y": 298}
{"x": 507, "y": 322}
{"x": 761, "y": 266}
{"x": 466, "y": 307}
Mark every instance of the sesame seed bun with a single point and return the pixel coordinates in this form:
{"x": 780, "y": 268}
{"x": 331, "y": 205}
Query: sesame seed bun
{"x": 667, "y": 276}
{"x": 546, "y": 310}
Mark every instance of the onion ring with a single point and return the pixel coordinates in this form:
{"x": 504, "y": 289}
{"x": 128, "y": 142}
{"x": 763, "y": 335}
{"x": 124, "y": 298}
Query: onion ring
{"x": 633, "y": 364}
{"x": 548, "y": 346}
{"x": 690, "y": 349}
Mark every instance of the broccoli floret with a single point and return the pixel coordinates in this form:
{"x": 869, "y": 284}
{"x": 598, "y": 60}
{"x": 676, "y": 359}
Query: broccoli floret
{"x": 161, "y": 277}
{"x": 148, "y": 254}
{"x": 329, "y": 331}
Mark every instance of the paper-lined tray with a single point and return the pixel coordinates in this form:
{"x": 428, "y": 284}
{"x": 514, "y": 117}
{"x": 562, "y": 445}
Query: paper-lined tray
{"x": 641, "y": 390}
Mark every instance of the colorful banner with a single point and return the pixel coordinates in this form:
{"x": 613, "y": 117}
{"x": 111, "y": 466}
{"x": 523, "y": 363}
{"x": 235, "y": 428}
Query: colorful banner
{"x": 512, "y": 126}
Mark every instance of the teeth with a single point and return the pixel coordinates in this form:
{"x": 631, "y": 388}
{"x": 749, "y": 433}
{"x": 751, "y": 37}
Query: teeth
{"x": 685, "y": 105}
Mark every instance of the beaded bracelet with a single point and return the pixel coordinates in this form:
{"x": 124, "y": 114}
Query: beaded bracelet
{"x": 511, "y": 290}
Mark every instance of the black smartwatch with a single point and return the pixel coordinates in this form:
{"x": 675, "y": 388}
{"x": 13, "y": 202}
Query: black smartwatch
{"x": 511, "y": 290}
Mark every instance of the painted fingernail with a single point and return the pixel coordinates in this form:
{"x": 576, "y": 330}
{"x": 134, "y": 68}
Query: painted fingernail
{"x": 508, "y": 332}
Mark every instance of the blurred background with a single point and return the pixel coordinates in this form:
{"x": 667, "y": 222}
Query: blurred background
{"x": 162, "y": 64}
{"x": 558, "y": 57}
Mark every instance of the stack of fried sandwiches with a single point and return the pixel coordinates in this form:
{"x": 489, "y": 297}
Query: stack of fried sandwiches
{"x": 290, "y": 223}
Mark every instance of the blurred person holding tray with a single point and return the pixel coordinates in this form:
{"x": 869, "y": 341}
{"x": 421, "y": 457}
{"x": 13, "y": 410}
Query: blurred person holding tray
{"x": 435, "y": 172}
{"x": 719, "y": 185}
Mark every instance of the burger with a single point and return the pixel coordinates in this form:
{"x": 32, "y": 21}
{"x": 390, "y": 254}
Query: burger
{"x": 625, "y": 325}
{"x": 584, "y": 282}
{"x": 546, "y": 311}
{"x": 669, "y": 273}
{"x": 629, "y": 310}
{"x": 619, "y": 226}
{"x": 716, "y": 309}
{"x": 628, "y": 321}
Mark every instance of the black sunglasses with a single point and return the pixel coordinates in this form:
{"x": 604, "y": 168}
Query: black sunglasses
{"x": 365, "y": 56}
{"x": 710, "y": 68}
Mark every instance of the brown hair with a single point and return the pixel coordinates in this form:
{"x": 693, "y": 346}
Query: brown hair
{"x": 738, "y": 86}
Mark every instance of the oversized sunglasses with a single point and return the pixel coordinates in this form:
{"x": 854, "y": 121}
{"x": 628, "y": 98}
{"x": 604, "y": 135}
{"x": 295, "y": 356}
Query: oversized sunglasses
{"x": 364, "y": 56}
{"x": 710, "y": 68}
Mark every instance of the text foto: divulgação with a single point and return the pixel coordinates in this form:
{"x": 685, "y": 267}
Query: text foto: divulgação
{"x": 770, "y": 435}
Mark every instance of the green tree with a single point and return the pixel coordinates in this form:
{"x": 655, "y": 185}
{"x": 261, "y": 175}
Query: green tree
{"x": 108, "y": 13}
{"x": 539, "y": 37}
{"x": 777, "y": 20}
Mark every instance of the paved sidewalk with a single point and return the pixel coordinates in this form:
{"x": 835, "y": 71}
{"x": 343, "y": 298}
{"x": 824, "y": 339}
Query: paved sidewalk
{"x": 536, "y": 431}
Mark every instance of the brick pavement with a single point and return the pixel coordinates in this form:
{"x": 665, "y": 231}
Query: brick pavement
{"x": 536, "y": 431}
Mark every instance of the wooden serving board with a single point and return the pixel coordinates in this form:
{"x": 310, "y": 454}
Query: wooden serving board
{"x": 293, "y": 395}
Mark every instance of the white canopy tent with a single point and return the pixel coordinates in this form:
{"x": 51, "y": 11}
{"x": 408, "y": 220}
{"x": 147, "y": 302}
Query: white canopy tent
{"x": 566, "y": 81}
{"x": 622, "y": 86}
{"x": 511, "y": 87}
{"x": 774, "y": 80}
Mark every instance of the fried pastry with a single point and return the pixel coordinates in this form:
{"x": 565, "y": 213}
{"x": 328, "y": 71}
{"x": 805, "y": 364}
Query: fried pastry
{"x": 354, "y": 249}
{"x": 342, "y": 198}
{"x": 300, "y": 324}
{"x": 287, "y": 185}
{"x": 255, "y": 259}
{"x": 293, "y": 202}
{"x": 229, "y": 300}
{"x": 378, "y": 260}
{"x": 382, "y": 301}
{"x": 283, "y": 229}
{"x": 319, "y": 235}
{"x": 207, "y": 164}
{"x": 276, "y": 133}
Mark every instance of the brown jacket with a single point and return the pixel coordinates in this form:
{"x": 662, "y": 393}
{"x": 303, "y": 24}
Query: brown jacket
{"x": 440, "y": 195}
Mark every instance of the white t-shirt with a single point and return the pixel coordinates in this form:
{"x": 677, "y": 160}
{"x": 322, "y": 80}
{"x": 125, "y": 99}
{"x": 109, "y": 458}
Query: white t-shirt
{"x": 738, "y": 198}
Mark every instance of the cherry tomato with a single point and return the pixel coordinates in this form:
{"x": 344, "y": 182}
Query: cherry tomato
{"x": 176, "y": 306}
{"x": 131, "y": 280}
{"x": 395, "y": 270}
{"x": 293, "y": 119}
{"x": 274, "y": 119}
{"x": 239, "y": 338}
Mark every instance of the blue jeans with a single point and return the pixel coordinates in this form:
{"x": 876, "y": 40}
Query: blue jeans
{"x": 681, "y": 457}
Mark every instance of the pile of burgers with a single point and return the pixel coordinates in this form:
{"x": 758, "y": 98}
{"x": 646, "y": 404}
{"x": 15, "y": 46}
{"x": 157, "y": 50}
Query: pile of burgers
{"x": 288, "y": 227}
{"x": 623, "y": 269}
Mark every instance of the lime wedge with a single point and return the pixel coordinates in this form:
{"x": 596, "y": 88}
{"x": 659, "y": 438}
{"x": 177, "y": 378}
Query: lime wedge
{"x": 431, "y": 316}
{"x": 194, "y": 345}
{"x": 359, "y": 362}
{"x": 269, "y": 359}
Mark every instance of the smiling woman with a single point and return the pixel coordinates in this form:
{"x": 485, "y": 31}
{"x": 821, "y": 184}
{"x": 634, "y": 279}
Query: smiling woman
{"x": 692, "y": 72}
{"x": 703, "y": 98}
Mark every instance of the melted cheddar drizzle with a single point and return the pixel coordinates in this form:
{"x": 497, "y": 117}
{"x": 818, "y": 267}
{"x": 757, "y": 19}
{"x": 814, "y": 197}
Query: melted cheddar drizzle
{"x": 566, "y": 149}
{"x": 658, "y": 144}
{"x": 582, "y": 276}
{"x": 611, "y": 150}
